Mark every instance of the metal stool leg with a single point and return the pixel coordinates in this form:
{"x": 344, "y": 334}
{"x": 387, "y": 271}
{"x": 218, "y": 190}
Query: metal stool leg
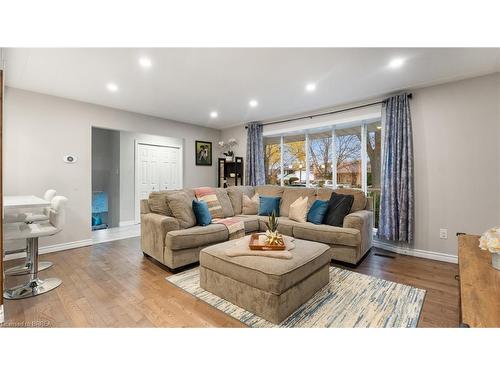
{"x": 34, "y": 286}
{"x": 25, "y": 268}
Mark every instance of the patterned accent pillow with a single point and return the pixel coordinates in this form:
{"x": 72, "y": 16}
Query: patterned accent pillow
{"x": 208, "y": 195}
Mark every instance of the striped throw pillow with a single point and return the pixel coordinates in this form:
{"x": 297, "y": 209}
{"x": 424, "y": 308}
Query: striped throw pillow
{"x": 208, "y": 195}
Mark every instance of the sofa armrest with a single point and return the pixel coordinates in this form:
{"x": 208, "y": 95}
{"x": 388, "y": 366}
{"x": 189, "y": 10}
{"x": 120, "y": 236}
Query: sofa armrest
{"x": 363, "y": 221}
{"x": 154, "y": 229}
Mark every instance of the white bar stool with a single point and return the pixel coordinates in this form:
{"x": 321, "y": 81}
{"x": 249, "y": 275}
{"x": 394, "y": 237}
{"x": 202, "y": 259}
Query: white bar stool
{"x": 31, "y": 232}
{"x": 28, "y": 218}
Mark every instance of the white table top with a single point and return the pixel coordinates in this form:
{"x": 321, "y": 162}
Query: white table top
{"x": 24, "y": 201}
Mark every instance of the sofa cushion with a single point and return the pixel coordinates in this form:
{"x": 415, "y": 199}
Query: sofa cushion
{"x": 158, "y": 203}
{"x": 201, "y": 212}
{"x": 270, "y": 190}
{"x": 269, "y": 205}
{"x": 290, "y": 195}
{"x": 225, "y": 202}
{"x": 250, "y": 205}
{"x": 251, "y": 222}
{"x": 285, "y": 225}
{"x": 359, "y": 196}
{"x": 209, "y": 195}
{"x": 317, "y": 212}
{"x": 327, "y": 234}
{"x": 181, "y": 207}
{"x": 196, "y": 236}
{"x": 235, "y": 194}
{"x": 298, "y": 210}
{"x": 339, "y": 207}
{"x": 268, "y": 274}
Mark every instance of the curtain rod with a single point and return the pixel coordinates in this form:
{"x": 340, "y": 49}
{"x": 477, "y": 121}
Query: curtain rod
{"x": 325, "y": 113}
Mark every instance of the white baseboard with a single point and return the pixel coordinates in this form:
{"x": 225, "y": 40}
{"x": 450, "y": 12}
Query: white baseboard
{"x": 427, "y": 254}
{"x": 126, "y": 223}
{"x": 54, "y": 248}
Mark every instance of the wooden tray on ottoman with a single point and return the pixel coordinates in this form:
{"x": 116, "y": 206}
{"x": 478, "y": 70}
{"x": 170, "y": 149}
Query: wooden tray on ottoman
{"x": 255, "y": 244}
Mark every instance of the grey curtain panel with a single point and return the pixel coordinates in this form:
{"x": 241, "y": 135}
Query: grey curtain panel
{"x": 255, "y": 174}
{"x": 397, "y": 191}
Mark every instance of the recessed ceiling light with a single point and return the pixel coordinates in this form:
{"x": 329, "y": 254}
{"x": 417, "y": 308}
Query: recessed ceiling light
{"x": 310, "y": 87}
{"x": 145, "y": 62}
{"x": 113, "y": 87}
{"x": 214, "y": 114}
{"x": 253, "y": 103}
{"x": 379, "y": 127}
{"x": 396, "y": 63}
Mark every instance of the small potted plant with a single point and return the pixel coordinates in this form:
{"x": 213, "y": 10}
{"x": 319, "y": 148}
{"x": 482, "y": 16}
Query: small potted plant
{"x": 272, "y": 235}
{"x": 490, "y": 240}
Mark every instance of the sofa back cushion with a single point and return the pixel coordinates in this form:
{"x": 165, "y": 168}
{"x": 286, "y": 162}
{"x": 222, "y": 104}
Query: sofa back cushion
{"x": 270, "y": 190}
{"x": 158, "y": 203}
{"x": 235, "y": 194}
{"x": 180, "y": 204}
{"x": 290, "y": 195}
{"x": 225, "y": 202}
{"x": 359, "y": 196}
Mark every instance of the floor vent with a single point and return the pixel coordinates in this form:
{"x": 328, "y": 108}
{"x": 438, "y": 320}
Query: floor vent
{"x": 385, "y": 255}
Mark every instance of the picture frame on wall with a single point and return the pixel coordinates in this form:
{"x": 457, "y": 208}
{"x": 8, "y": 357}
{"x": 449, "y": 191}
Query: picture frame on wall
{"x": 203, "y": 153}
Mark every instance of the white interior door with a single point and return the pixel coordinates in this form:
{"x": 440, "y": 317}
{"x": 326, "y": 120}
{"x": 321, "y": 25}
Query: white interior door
{"x": 157, "y": 168}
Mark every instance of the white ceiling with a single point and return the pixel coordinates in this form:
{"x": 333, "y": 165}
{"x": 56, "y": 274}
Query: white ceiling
{"x": 187, "y": 84}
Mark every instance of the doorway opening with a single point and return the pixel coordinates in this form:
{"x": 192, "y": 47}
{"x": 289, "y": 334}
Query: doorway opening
{"x": 127, "y": 167}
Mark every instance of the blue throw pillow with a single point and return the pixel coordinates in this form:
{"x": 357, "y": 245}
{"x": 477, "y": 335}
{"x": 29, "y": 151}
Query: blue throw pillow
{"x": 200, "y": 209}
{"x": 269, "y": 204}
{"x": 317, "y": 212}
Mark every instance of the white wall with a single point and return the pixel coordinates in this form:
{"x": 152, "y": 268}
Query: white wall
{"x": 456, "y": 133}
{"x": 456, "y": 130}
{"x": 40, "y": 129}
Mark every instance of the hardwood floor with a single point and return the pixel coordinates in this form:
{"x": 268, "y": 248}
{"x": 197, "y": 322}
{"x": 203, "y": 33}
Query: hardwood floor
{"x": 113, "y": 285}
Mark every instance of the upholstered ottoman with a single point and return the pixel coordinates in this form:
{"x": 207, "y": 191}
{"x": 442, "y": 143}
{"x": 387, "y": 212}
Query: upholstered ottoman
{"x": 268, "y": 287}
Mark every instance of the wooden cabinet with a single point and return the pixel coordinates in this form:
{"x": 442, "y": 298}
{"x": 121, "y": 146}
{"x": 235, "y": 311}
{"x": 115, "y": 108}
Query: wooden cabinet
{"x": 479, "y": 285}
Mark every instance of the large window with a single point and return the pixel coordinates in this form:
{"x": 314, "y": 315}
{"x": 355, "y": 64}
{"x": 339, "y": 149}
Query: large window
{"x": 272, "y": 160}
{"x": 294, "y": 160}
{"x": 339, "y": 156}
{"x": 374, "y": 165}
{"x": 320, "y": 159}
{"x": 348, "y": 150}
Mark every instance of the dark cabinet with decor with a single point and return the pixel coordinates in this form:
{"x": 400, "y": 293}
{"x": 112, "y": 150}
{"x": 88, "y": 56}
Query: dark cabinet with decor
{"x": 230, "y": 173}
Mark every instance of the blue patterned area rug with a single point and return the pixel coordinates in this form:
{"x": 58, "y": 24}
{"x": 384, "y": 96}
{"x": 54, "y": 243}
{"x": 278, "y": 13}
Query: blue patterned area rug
{"x": 350, "y": 300}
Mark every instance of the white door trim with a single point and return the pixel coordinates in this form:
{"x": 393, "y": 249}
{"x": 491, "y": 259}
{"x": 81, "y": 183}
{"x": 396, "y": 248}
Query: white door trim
{"x": 138, "y": 142}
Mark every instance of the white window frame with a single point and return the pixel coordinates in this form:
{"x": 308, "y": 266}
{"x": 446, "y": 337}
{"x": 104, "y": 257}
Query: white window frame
{"x": 364, "y": 153}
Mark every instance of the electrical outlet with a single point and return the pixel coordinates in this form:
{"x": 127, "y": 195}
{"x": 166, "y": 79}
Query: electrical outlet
{"x": 443, "y": 234}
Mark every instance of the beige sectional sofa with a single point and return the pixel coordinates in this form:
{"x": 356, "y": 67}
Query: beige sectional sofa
{"x": 175, "y": 243}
